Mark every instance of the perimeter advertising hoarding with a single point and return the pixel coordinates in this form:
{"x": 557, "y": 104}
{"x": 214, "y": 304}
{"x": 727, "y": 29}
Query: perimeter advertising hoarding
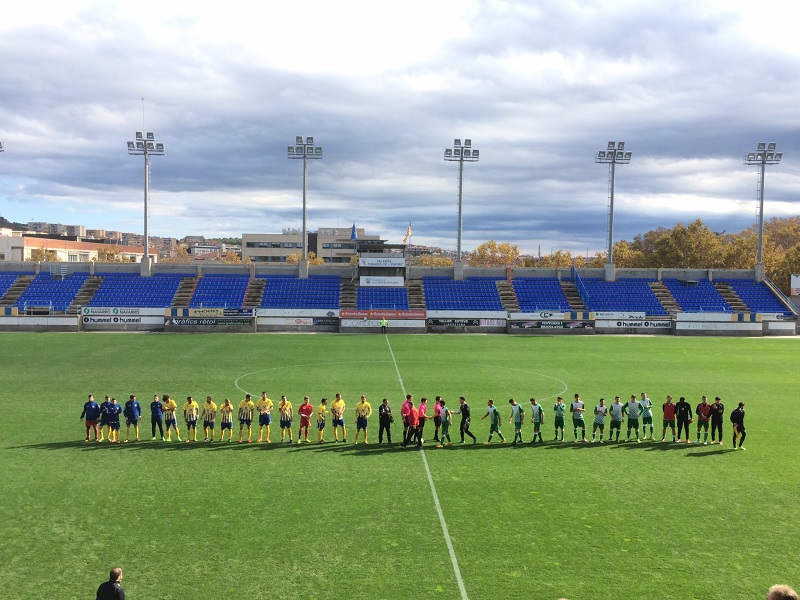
{"x": 376, "y": 323}
{"x": 551, "y": 325}
{"x": 299, "y": 321}
{"x": 643, "y": 324}
{"x": 384, "y": 262}
{"x": 221, "y": 312}
{"x": 382, "y": 314}
{"x": 120, "y": 321}
{"x": 208, "y": 321}
{"x": 100, "y": 311}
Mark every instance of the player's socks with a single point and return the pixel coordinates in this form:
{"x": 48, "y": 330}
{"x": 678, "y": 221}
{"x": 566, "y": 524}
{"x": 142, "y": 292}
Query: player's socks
{"x": 502, "y": 439}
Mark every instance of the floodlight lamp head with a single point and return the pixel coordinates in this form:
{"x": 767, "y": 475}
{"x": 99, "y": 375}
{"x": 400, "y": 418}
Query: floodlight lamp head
{"x": 601, "y": 155}
{"x": 771, "y": 146}
{"x": 611, "y": 145}
{"x": 751, "y": 157}
{"x": 621, "y": 145}
{"x": 150, "y": 136}
{"x": 467, "y": 143}
{"x": 131, "y": 146}
{"x": 2, "y": 149}
{"x": 628, "y": 156}
{"x": 139, "y": 135}
{"x": 457, "y": 143}
{"x": 475, "y": 155}
{"x": 159, "y": 148}
{"x": 762, "y": 146}
{"x": 298, "y": 140}
{"x": 140, "y": 146}
{"x": 290, "y": 150}
{"x": 778, "y": 155}
{"x": 448, "y": 153}
{"x": 310, "y": 141}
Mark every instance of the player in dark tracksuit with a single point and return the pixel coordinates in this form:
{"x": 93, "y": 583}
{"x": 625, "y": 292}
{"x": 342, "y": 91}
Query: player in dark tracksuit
{"x": 465, "y": 413}
{"x": 385, "y": 420}
{"x": 717, "y": 410}
{"x": 683, "y": 414}
{"x": 737, "y": 418}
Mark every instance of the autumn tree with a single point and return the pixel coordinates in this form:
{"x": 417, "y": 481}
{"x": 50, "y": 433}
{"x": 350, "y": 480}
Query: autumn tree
{"x": 109, "y": 254}
{"x": 431, "y": 260}
{"x": 295, "y": 257}
{"x": 492, "y": 254}
{"x": 42, "y": 255}
{"x": 181, "y": 256}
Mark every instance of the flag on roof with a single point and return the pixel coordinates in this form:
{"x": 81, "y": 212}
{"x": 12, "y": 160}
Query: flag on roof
{"x": 408, "y": 234}
{"x": 353, "y": 233}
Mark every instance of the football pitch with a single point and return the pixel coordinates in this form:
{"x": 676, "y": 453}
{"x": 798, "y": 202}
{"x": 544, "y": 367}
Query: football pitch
{"x": 560, "y": 519}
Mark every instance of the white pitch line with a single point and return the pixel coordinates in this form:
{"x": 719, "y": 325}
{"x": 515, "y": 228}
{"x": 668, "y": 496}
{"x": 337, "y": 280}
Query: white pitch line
{"x": 436, "y": 502}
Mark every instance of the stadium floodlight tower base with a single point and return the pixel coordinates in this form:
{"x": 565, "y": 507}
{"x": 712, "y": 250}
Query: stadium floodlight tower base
{"x": 458, "y": 271}
{"x": 610, "y": 272}
{"x": 302, "y": 268}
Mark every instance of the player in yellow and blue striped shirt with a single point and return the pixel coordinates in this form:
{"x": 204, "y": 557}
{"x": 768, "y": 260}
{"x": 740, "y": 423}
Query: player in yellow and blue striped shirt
{"x": 226, "y": 420}
{"x": 246, "y": 409}
{"x": 170, "y": 422}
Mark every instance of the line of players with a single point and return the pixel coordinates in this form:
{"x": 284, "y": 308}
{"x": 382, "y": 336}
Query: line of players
{"x": 106, "y": 415}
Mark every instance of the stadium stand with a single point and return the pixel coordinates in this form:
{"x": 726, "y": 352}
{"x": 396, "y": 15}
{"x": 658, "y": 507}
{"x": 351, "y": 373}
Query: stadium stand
{"x": 543, "y": 293}
{"x": 7, "y": 279}
{"x": 53, "y": 292}
{"x": 392, "y": 298}
{"x": 131, "y": 289}
{"x": 696, "y": 296}
{"x": 220, "y": 291}
{"x": 316, "y": 292}
{"x": 757, "y": 296}
{"x": 442, "y": 293}
{"x": 624, "y": 294}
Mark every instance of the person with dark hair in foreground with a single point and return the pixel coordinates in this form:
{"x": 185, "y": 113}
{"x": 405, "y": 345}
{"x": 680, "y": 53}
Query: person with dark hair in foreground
{"x": 781, "y": 592}
{"x": 111, "y": 589}
{"x": 737, "y": 418}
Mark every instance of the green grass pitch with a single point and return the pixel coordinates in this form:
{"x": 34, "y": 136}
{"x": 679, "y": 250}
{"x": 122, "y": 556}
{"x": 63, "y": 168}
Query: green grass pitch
{"x": 582, "y": 521}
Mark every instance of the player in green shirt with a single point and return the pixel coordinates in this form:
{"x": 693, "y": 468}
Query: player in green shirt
{"x": 494, "y": 421}
{"x": 517, "y": 414}
{"x": 447, "y": 420}
{"x": 537, "y": 418}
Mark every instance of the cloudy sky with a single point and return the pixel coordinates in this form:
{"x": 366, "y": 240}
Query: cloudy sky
{"x": 539, "y": 87}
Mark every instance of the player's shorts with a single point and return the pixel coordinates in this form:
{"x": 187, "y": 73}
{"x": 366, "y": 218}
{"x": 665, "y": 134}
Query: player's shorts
{"x": 361, "y": 422}
{"x": 286, "y": 423}
{"x": 103, "y": 420}
{"x": 437, "y": 421}
{"x": 225, "y": 425}
{"x": 305, "y": 421}
{"x": 264, "y": 419}
{"x": 537, "y": 425}
{"x": 578, "y": 423}
{"x": 445, "y": 426}
{"x": 669, "y": 423}
{"x": 243, "y": 422}
{"x": 170, "y": 421}
{"x": 494, "y": 428}
{"x": 517, "y": 424}
{"x": 739, "y": 428}
{"x": 191, "y": 424}
{"x": 600, "y": 426}
{"x": 208, "y": 424}
{"x": 130, "y": 422}
{"x": 633, "y": 423}
{"x": 647, "y": 420}
{"x": 702, "y": 425}
{"x": 90, "y": 423}
{"x": 114, "y": 425}
{"x": 616, "y": 424}
{"x": 559, "y": 422}
{"x": 338, "y": 422}
{"x": 320, "y": 425}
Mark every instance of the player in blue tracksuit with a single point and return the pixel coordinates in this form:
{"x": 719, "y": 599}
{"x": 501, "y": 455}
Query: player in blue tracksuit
{"x": 113, "y": 412}
{"x": 104, "y": 418}
{"x": 91, "y": 411}
{"x": 157, "y": 416}
{"x": 132, "y": 413}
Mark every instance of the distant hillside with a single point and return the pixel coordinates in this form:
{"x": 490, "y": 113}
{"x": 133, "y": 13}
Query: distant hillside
{"x": 6, "y": 223}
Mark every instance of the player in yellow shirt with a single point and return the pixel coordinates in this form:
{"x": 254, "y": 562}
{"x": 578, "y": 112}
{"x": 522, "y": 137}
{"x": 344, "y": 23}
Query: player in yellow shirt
{"x": 209, "y": 417}
{"x": 285, "y": 408}
{"x": 322, "y": 411}
{"x": 226, "y": 420}
{"x": 170, "y": 421}
{"x": 191, "y": 412}
{"x": 264, "y": 408}
{"x": 337, "y": 418}
{"x": 363, "y": 412}
{"x": 246, "y": 409}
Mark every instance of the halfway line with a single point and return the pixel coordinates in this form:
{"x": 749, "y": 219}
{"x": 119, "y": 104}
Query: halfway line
{"x": 436, "y": 502}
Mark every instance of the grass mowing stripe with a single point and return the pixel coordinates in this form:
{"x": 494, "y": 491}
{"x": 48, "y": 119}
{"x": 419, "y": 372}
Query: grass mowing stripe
{"x": 436, "y": 502}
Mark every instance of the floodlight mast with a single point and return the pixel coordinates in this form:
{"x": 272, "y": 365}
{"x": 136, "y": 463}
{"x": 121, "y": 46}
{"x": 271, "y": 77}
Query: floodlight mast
{"x": 614, "y": 154}
{"x": 764, "y": 155}
{"x": 305, "y": 150}
{"x": 146, "y": 145}
{"x": 461, "y": 153}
